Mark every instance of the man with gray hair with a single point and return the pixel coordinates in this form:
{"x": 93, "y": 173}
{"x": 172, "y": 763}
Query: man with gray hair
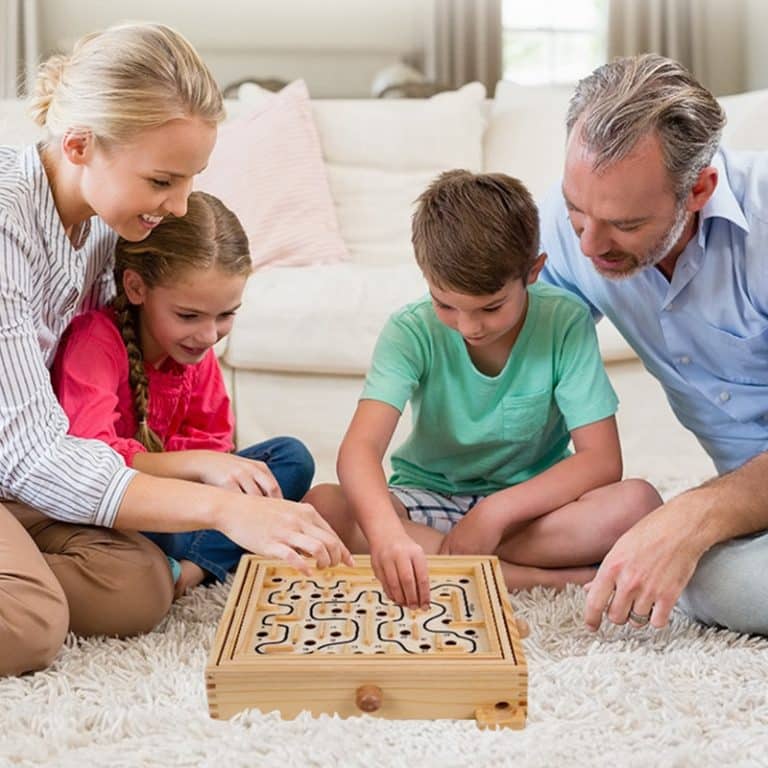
{"x": 666, "y": 233}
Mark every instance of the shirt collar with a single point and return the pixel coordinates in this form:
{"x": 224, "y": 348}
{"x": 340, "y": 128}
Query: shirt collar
{"x": 39, "y": 178}
{"x": 723, "y": 203}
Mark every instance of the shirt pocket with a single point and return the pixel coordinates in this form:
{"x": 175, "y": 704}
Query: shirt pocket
{"x": 526, "y": 416}
{"x": 737, "y": 359}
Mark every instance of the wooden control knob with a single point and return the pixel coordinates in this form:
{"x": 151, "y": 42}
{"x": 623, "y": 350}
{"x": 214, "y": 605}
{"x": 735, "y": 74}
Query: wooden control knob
{"x": 368, "y": 698}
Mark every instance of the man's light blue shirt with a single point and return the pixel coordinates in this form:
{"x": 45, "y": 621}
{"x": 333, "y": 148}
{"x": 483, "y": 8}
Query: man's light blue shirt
{"x": 704, "y": 335}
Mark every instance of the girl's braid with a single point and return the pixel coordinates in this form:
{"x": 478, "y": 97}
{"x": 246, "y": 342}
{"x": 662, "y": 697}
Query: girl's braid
{"x": 125, "y": 315}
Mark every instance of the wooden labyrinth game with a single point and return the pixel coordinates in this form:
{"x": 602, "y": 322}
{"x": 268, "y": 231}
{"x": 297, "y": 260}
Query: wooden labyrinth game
{"x": 332, "y": 642}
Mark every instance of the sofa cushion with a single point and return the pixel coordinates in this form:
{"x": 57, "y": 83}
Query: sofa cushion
{"x": 268, "y": 168}
{"x": 747, "y": 113}
{"x": 318, "y": 319}
{"x": 327, "y": 319}
{"x": 381, "y": 154}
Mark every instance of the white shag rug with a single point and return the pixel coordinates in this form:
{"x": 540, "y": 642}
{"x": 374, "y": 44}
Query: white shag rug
{"x": 683, "y": 696}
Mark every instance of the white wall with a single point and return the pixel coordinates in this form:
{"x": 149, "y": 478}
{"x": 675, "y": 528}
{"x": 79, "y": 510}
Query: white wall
{"x": 339, "y": 45}
{"x": 336, "y": 45}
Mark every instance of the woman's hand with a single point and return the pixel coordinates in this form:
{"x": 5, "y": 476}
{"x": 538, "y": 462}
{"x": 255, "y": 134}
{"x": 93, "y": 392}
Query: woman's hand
{"x": 281, "y": 529}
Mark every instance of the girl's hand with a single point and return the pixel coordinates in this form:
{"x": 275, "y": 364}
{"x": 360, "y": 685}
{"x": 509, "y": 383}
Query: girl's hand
{"x": 281, "y": 529}
{"x": 236, "y": 474}
{"x": 401, "y": 566}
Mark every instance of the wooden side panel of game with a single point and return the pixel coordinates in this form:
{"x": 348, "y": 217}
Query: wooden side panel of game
{"x": 333, "y": 643}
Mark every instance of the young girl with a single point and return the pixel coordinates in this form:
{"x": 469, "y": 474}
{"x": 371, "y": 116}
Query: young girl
{"x": 131, "y": 117}
{"x": 142, "y": 376}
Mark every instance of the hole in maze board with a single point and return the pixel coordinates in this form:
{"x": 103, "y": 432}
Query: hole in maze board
{"x": 348, "y": 613}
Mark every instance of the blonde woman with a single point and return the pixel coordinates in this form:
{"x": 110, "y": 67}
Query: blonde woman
{"x": 131, "y": 117}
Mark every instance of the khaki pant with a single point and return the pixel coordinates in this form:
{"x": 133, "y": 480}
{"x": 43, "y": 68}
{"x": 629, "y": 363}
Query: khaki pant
{"x": 57, "y": 577}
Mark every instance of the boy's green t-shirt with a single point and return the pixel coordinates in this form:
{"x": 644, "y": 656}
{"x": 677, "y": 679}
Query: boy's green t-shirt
{"x": 478, "y": 434}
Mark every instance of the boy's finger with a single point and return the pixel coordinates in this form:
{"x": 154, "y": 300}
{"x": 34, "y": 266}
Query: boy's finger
{"x": 421, "y": 574}
{"x": 408, "y": 583}
{"x": 392, "y": 583}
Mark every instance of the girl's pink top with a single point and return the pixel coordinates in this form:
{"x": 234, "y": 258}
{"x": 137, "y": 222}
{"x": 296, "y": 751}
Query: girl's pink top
{"x": 188, "y": 404}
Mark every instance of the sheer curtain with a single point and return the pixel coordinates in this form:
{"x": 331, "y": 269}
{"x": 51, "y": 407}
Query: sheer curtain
{"x": 706, "y": 36}
{"x": 19, "y": 46}
{"x": 463, "y": 42}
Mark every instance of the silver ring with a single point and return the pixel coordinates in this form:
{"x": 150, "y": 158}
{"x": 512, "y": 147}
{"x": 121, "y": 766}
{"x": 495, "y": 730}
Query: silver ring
{"x": 639, "y": 618}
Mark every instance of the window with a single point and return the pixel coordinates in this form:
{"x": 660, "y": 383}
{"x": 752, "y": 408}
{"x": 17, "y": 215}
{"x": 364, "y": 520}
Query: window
{"x": 553, "y": 41}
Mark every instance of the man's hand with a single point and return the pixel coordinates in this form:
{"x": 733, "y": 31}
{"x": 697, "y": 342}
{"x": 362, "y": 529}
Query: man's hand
{"x": 400, "y": 564}
{"x": 647, "y": 569}
{"x": 479, "y": 532}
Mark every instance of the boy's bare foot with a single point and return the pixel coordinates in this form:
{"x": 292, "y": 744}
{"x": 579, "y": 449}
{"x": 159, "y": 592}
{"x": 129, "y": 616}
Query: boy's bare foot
{"x": 191, "y": 575}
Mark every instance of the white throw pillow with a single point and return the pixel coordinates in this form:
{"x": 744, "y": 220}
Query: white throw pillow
{"x": 526, "y": 134}
{"x": 268, "y": 168}
{"x": 381, "y": 154}
{"x": 747, "y": 113}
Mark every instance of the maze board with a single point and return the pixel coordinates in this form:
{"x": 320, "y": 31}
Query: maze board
{"x": 333, "y": 642}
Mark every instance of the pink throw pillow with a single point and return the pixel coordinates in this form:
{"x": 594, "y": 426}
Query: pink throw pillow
{"x": 268, "y": 168}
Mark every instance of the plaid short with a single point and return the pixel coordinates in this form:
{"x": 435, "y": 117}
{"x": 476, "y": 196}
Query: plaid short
{"x": 436, "y": 510}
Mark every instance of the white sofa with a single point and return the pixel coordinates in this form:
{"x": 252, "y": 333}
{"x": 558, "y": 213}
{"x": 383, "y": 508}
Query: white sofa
{"x": 296, "y": 358}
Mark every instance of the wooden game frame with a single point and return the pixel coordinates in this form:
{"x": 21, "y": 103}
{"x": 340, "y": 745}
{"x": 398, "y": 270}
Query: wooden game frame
{"x": 489, "y": 685}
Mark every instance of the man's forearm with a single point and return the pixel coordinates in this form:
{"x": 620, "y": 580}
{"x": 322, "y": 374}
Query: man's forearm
{"x": 734, "y": 504}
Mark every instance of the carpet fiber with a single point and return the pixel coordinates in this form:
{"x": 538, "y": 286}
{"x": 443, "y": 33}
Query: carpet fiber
{"x": 682, "y": 696}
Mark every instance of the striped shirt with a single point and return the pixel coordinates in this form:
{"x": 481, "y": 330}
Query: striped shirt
{"x": 45, "y": 281}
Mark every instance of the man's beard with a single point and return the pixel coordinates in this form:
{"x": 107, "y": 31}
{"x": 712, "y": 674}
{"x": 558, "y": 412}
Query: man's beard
{"x": 656, "y": 253}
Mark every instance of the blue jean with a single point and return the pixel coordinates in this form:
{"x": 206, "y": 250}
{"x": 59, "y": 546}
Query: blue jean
{"x": 293, "y": 467}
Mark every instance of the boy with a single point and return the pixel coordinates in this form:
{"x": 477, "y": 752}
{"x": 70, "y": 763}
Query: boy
{"x": 502, "y": 373}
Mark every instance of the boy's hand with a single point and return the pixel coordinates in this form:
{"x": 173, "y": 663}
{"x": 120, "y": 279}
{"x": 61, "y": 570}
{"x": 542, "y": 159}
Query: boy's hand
{"x": 479, "y": 532}
{"x": 401, "y": 566}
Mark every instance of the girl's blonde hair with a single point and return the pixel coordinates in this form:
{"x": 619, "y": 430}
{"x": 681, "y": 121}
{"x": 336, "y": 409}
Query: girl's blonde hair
{"x": 209, "y": 235}
{"x": 128, "y": 78}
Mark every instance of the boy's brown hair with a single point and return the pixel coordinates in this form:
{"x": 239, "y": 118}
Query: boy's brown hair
{"x": 474, "y": 232}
